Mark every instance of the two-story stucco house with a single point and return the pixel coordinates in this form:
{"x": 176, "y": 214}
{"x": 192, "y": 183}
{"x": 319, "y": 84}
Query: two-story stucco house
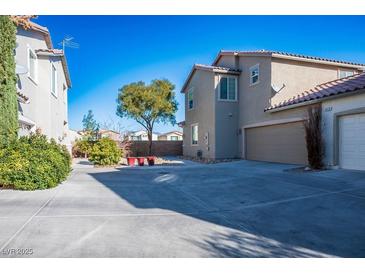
{"x": 252, "y": 104}
{"x": 43, "y": 82}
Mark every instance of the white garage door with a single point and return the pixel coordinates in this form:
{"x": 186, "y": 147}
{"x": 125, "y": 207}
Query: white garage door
{"x": 352, "y": 141}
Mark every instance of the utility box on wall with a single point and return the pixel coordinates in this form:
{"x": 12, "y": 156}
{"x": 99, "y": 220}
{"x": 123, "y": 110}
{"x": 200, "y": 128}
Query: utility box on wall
{"x": 206, "y": 140}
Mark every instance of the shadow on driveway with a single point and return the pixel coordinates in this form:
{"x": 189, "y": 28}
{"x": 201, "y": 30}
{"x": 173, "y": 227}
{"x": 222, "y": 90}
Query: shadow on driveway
{"x": 269, "y": 212}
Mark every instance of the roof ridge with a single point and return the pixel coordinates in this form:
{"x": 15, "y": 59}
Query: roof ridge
{"x": 298, "y": 55}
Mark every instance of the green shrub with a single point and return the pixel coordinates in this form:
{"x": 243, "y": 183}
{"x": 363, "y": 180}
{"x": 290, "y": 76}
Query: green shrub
{"x": 32, "y": 162}
{"x": 105, "y": 152}
{"x": 82, "y": 147}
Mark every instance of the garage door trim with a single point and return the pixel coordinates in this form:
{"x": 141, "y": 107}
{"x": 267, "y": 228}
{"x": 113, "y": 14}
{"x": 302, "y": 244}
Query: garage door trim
{"x": 336, "y": 131}
{"x": 293, "y": 160}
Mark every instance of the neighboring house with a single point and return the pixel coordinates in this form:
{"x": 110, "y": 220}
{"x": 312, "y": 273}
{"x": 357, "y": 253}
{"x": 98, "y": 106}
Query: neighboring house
{"x": 72, "y": 137}
{"x": 171, "y": 136}
{"x": 252, "y": 104}
{"x": 107, "y": 133}
{"x": 43, "y": 82}
{"x": 140, "y": 135}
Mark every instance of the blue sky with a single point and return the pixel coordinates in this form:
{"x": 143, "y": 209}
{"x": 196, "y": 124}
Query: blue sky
{"x": 117, "y": 50}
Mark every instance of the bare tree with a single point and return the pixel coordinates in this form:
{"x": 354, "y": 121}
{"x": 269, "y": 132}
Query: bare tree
{"x": 313, "y": 137}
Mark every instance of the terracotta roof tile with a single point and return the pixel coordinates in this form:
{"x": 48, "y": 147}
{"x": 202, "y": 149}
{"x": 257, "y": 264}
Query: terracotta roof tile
{"x": 52, "y": 51}
{"x": 324, "y": 90}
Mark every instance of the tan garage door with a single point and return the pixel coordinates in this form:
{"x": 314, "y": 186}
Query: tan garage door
{"x": 284, "y": 143}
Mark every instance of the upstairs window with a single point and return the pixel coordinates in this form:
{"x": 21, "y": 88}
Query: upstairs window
{"x": 194, "y": 134}
{"x": 53, "y": 80}
{"x": 32, "y": 65}
{"x": 254, "y": 74}
{"x": 190, "y": 99}
{"x": 228, "y": 89}
{"x": 345, "y": 73}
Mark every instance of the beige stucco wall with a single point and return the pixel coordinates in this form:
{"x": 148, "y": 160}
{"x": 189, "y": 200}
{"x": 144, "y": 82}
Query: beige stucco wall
{"x": 331, "y": 108}
{"x": 300, "y": 76}
{"x": 203, "y": 114}
{"x": 227, "y": 61}
{"x": 226, "y": 121}
{"x": 47, "y": 111}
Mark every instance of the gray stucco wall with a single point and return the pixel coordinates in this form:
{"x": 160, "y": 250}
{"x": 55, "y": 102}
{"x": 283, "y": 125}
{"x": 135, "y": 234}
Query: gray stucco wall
{"x": 49, "y": 112}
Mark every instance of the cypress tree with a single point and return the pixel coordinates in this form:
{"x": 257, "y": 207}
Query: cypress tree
{"x": 8, "y": 96}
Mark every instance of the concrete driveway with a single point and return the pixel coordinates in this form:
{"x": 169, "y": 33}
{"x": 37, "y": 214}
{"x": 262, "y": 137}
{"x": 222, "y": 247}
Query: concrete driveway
{"x": 238, "y": 209}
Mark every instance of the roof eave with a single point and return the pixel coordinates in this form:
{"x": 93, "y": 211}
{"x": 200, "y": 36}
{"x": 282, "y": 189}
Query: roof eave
{"x": 288, "y": 57}
{"x": 215, "y": 70}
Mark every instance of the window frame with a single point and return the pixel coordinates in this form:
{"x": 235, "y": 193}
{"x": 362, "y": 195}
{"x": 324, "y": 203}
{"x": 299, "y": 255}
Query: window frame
{"x": 235, "y": 91}
{"x": 197, "y": 134}
{"x": 55, "y": 93}
{"x": 258, "y": 74}
{"x": 30, "y": 51}
{"x": 192, "y": 94}
{"x": 346, "y": 71}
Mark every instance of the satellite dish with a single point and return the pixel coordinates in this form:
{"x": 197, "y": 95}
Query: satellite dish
{"x": 277, "y": 88}
{"x": 20, "y": 69}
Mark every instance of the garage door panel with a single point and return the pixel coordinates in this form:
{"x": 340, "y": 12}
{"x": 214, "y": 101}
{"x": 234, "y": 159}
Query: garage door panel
{"x": 284, "y": 143}
{"x": 352, "y": 141}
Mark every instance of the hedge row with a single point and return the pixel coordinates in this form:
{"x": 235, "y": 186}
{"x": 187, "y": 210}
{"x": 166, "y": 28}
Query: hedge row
{"x": 33, "y": 162}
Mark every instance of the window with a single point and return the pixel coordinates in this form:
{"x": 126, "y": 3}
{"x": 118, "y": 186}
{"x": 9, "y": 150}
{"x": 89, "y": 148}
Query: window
{"x": 228, "y": 89}
{"x": 174, "y": 138}
{"x": 194, "y": 134}
{"x": 345, "y": 73}
{"x": 190, "y": 99}
{"x": 53, "y": 80}
{"x": 32, "y": 65}
{"x": 254, "y": 74}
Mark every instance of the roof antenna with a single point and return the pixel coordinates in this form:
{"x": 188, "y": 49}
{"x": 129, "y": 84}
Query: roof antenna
{"x": 68, "y": 43}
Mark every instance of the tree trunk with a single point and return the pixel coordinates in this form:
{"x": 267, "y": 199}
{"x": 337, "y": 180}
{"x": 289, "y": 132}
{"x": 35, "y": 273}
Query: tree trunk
{"x": 149, "y": 133}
